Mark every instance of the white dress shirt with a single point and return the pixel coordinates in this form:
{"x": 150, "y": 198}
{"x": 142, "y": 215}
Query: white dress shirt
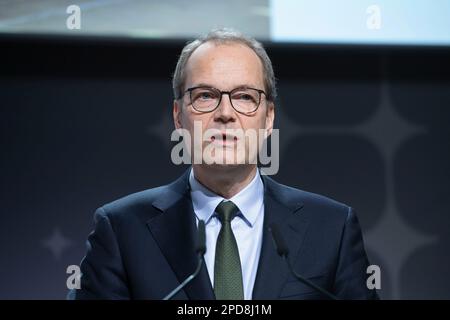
{"x": 247, "y": 226}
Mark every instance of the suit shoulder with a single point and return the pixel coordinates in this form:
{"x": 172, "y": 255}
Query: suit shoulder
{"x": 138, "y": 203}
{"x": 146, "y": 204}
{"x": 321, "y": 205}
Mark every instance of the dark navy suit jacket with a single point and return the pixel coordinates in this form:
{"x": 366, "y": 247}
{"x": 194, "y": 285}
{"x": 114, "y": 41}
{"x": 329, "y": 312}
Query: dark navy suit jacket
{"x": 143, "y": 246}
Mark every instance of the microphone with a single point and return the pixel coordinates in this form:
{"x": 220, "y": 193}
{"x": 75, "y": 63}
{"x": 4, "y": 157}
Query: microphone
{"x": 283, "y": 251}
{"x": 200, "y": 249}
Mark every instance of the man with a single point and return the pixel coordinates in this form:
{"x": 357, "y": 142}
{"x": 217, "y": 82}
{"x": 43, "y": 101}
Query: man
{"x": 143, "y": 245}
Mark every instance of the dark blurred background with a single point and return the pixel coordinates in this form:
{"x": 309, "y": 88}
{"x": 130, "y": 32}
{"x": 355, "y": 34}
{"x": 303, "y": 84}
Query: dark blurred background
{"x": 86, "y": 118}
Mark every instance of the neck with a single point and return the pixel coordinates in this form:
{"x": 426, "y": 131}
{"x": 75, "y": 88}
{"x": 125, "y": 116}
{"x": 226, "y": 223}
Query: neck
{"x": 225, "y": 181}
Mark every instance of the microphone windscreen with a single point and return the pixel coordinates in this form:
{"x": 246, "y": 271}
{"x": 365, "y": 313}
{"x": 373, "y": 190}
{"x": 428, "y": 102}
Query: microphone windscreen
{"x": 280, "y": 244}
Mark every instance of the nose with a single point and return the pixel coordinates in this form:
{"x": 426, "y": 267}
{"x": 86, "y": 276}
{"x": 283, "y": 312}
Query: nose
{"x": 225, "y": 111}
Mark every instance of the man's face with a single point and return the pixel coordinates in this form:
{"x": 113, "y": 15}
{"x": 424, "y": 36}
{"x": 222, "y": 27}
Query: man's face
{"x": 225, "y": 67}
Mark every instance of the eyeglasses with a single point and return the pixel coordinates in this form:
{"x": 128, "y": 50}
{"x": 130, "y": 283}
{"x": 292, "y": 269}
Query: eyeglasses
{"x": 244, "y": 100}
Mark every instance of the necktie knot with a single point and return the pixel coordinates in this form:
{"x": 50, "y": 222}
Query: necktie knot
{"x": 226, "y": 211}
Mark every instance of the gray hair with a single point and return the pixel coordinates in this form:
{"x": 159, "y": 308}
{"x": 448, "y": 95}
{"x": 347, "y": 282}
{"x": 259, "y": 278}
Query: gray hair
{"x": 220, "y": 36}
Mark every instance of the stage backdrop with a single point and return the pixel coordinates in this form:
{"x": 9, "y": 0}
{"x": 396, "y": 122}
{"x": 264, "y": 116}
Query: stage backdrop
{"x": 87, "y": 120}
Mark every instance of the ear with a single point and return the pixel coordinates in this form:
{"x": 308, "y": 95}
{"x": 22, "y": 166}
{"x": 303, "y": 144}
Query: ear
{"x": 270, "y": 117}
{"x": 177, "y": 111}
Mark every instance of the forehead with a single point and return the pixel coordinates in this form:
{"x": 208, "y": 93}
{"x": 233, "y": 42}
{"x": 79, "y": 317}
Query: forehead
{"x": 224, "y": 65}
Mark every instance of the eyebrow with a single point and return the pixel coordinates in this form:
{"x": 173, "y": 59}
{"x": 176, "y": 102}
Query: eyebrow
{"x": 211, "y": 86}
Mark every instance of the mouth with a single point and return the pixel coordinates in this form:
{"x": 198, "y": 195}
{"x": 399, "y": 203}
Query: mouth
{"x": 224, "y": 139}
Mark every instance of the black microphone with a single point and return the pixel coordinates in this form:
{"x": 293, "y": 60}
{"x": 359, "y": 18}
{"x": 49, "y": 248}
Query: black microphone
{"x": 283, "y": 251}
{"x": 200, "y": 249}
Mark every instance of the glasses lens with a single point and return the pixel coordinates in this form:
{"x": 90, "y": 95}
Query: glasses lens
{"x": 204, "y": 99}
{"x": 245, "y": 100}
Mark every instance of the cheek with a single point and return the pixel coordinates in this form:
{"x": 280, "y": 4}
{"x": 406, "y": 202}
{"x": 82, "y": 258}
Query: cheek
{"x": 192, "y": 122}
{"x": 255, "y": 123}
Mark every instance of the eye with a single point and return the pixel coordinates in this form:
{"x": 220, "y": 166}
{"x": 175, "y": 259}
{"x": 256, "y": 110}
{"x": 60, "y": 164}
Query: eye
{"x": 203, "y": 95}
{"x": 244, "y": 96}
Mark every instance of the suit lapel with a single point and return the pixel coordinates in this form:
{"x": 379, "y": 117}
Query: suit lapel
{"x": 272, "y": 269}
{"x": 175, "y": 232}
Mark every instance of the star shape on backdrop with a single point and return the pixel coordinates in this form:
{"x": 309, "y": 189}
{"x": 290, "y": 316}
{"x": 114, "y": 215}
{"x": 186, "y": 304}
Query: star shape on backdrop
{"x": 393, "y": 239}
{"x": 163, "y": 129}
{"x": 57, "y": 243}
{"x": 386, "y": 128}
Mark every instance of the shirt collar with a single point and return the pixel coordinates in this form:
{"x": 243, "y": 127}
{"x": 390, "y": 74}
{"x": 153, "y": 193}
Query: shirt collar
{"x": 249, "y": 200}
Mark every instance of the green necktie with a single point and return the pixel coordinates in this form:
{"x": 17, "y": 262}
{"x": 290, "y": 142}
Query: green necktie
{"x": 227, "y": 266}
